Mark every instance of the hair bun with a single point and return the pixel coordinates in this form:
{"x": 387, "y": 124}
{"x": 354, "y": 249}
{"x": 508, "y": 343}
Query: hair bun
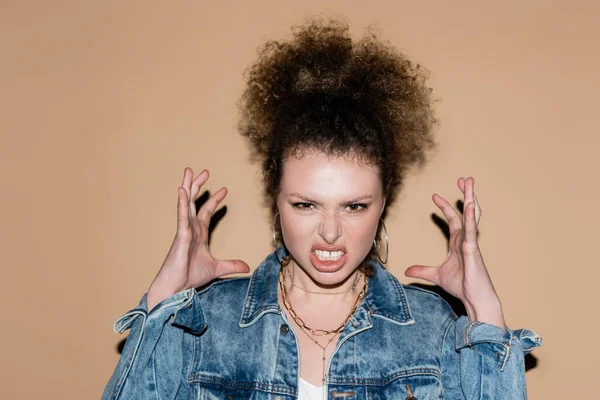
{"x": 323, "y": 90}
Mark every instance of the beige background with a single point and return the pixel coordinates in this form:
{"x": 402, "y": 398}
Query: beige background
{"x": 102, "y": 105}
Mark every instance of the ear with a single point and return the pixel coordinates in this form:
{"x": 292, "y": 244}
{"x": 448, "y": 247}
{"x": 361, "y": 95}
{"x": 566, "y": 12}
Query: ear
{"x": 383, "y": 207}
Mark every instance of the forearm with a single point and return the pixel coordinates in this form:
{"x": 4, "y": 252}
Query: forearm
{"x": 488, "y": 311}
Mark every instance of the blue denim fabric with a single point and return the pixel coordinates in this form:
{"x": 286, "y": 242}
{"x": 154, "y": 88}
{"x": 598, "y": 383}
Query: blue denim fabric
{"x": 232, "y": 341}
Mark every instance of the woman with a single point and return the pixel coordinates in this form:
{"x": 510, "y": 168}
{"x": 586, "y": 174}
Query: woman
{"x": 337, "y": 124}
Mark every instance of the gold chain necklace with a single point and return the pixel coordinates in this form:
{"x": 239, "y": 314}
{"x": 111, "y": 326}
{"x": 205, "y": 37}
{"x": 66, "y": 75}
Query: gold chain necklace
{"x": 318, "y": 332}
{"x": 324, "y": 359}
{"x": 325, "y": 293}
{"x": 298, "y": 320}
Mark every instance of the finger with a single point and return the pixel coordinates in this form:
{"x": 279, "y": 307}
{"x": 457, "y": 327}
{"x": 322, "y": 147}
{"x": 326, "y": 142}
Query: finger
{"x": 225, "y": 267}
{"x": 183, "y": 219}
{"x": 208, "y": 209}
{"x": 470, "y": 224}
{"x": 188, "y": 174}
{"x": 196, "y": 184}
{"x": 454, "y": 220}
{"x": 187, "y": 179}
{"x": 461, "y": 184}
{"x": 464, "y": 185}
{"x": 429, "y": 274}
{"x": 469, "y": 190}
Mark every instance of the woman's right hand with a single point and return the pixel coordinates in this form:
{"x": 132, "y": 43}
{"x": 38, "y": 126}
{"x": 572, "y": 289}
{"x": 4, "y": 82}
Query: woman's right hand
{"x": 189, "y": 263}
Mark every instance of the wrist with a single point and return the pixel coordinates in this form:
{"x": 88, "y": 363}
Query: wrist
{"x": 155, "y": 296}
{"x": 488, "y": 313}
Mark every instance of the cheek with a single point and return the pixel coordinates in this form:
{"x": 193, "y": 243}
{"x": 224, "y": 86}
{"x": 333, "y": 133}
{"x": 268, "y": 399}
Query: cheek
{"x": 361, "y": 233}
{"x": 297, "y": 230}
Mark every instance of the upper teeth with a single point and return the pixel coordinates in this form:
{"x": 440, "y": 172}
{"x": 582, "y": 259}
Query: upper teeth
{"x": 328, "y": 255}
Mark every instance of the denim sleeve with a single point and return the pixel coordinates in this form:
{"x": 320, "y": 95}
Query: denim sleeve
{"x": 154, "y": 360}
{"x": 482, "y": 361}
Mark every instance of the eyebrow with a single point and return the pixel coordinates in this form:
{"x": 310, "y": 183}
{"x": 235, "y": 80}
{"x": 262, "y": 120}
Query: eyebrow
{"x": 351, "y": 201}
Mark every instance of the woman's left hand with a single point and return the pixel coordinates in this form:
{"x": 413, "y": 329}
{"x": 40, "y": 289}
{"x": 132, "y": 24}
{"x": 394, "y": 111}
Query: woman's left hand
{"x": 463, "y": 274}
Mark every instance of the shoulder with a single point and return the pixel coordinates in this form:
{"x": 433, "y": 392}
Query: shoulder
{"x": 407, "y": 304}
{"x": 224, "y": 288}
{"x": 417, "y": 293}
{"x": 426, "y": 305}
{"x": 422, "y": 304}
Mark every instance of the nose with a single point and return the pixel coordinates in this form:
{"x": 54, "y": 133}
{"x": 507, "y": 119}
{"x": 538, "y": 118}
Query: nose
{"x": 330, "y": 228}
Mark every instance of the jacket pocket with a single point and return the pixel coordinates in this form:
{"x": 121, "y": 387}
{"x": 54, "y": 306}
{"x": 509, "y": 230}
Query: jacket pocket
{"x": 234, "y": 390}
{"x": 414, "y": 387}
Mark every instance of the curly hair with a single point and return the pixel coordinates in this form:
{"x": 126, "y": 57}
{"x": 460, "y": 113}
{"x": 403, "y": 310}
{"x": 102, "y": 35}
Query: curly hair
{"x": 323, "y": 91}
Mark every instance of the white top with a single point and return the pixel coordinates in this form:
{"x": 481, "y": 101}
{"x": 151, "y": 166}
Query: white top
{"x": 308, "y": 391}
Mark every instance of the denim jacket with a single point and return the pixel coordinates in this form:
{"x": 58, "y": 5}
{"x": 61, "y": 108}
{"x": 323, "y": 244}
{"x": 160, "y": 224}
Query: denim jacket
{"x": 231, "y": 340}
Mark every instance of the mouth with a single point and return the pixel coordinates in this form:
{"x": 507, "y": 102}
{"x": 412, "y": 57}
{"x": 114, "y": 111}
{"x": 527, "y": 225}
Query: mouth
{"x": 328, "y": 261}
{"x": 324, "y": 255}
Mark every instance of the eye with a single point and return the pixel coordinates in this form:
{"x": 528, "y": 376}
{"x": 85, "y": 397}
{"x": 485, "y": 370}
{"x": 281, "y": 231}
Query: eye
{"x": 356, "y": 207}
{"x": 304, "y": 206}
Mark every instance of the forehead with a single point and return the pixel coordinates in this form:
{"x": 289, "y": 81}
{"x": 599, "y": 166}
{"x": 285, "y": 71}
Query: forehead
{"x": 317, "y": 174}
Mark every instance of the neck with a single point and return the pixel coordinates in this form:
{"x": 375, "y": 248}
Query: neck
{"x": 304, "y": 288}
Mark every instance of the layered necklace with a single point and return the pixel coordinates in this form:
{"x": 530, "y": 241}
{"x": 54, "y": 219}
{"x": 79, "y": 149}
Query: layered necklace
{"x": 324, "y": 293}
{"x": 311, "y": 332}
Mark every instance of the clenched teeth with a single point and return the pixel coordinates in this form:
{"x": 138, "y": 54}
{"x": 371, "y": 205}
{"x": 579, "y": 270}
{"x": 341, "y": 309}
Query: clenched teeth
{"x": 328, "y": 255}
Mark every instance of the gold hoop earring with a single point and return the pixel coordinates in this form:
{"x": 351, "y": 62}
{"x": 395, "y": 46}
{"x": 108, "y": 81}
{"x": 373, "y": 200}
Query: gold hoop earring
{"x": 273, "y": 230}
{"x": 386, "y": 244}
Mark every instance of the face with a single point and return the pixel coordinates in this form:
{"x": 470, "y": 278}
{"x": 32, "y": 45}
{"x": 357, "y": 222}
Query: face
{"x": 329, "y": 209}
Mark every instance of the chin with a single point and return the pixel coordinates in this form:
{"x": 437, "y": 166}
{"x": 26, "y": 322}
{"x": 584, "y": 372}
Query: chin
{"x": 328, "y": 273}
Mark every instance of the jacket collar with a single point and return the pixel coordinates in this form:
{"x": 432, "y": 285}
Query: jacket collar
{"x": 384, "y": 299}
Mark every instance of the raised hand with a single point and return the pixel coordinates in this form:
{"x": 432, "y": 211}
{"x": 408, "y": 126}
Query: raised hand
{"x": 189, "y": 263}
{"x": 463, "y": 274}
